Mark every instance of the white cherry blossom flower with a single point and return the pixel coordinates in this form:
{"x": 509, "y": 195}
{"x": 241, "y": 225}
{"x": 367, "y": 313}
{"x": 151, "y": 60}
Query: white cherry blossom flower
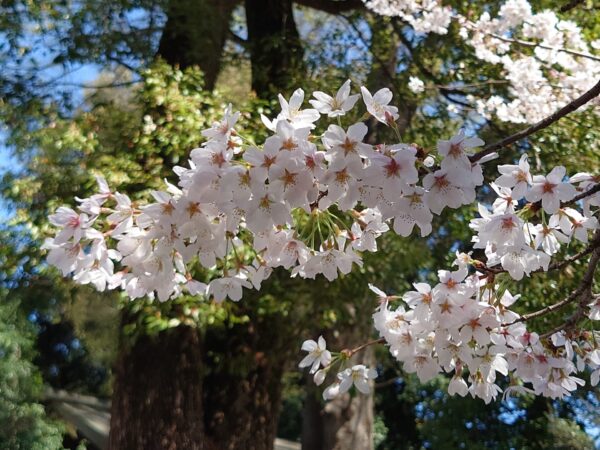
{"x": 551, "y": 190}
{"x": 318, "y": 355}
{"x": 359, "y": 376}
{"x": 378, "y": 105}
{"x": 516, "y": 177}
{"x": 231, "y": 287}
{"x": 416, "y": 85}
{"x": 335, "y": 106}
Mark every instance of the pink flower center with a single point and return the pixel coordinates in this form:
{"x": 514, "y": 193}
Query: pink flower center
{"x": 74, "y": 222}
{"x": 392, "y": 168}
{"x": 548, "y": 188}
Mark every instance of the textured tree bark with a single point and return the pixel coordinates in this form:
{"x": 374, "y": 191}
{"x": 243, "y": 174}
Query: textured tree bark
{"x": 244, "y": 366}
{"x": 348, "y": 421}
{"x": 157, "y": 394}
{"x": 275, "y": 48}
{"x": 242, "y": 406}
{"x": 195, "y": 34}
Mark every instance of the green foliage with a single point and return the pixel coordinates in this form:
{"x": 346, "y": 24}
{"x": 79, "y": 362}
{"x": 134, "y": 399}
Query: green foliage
{"x": 290, "y": 420}
{"x": 424, "y": 416}
{"x": 24, "y": 423}
{"x": 134, "y": 136}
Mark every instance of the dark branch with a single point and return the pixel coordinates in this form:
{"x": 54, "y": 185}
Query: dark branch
{"x": 590, "y": 191}
{"x": 567, "y": 109}
{"x": 386, "y": 383}
{"x": 554, "y": 266}
{"x": 572, "y": 4}
{"x": 115, "y": 84}
{"x": 583, "y": 294}
{"x": 123, "y": 63}
{"x": 546, "y": 47}
{"x": 332, "y": 6}
{"x": 548, "y": 309}
{"x": 237, "y": 39}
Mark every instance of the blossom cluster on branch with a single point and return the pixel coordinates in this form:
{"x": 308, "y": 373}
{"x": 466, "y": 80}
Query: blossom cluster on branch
{"x": 239, "y": 211}
{"x": 546, "y": 61}
{"x": 313, "y": 204}
{"x": 465, "y": 325}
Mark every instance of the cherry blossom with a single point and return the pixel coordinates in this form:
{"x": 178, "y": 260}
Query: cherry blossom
{"x": 312, "y": 205}
{"x": 335, "y": 106}
{"x": 378, "y": 105}
{"x": 318, "y": 355}
{"x": 551, "y": 190}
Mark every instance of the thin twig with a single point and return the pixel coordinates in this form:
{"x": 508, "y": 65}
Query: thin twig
{"x": 350, "y": 353}
{"x": 116, "y": 84}
{"x": 386, "y": 383}
{"x": 584, "y": 194}
{"x": 545, "y": 47}
{"x": 458, "y": 89}
{"x": 547, "y": 309}
{"x": 480, "y": 265}
{"x": 544, "y": 123}
{"x": 582, "y": 292}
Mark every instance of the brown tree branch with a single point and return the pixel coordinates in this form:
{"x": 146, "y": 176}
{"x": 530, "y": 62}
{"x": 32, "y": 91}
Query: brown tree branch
{"x": 572, "y": 4}
{"x": 554, "y": 266}
{"x": 547, "y": 309}
{"x": 386, "y": 383}
{"x": 584, "y": 194}
{"x": 544, "y": 123}
{"x": 349, "y": 353}
{"x": 583, "y": 294}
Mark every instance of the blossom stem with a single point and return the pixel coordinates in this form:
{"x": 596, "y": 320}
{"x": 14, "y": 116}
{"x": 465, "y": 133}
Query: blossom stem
{"x": 350, "y": 353}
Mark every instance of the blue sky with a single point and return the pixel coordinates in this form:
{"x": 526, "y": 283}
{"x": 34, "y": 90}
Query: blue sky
{"x": 79, "y": 75}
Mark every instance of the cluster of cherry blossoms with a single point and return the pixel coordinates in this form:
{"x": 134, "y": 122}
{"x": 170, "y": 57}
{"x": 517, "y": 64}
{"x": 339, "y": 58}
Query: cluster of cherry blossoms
{"x": 425, "y": 16}
{"x": 465, "y": 325}
{"x": 559, "y": 68}
{"x": 310, "y": 204}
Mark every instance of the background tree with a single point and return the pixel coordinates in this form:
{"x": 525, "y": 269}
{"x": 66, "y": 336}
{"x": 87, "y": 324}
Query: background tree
{"x": 135, "y": 138}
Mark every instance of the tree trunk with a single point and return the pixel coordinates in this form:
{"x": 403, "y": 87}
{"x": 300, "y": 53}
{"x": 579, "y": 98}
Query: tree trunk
{"x": 157, "y": 393}
{"x": 242, "y": 408}
{"x": 349, "y": 420}
{"x": 169, "y": 393}
{"x": 243, "y": 384}
{"x": 276, "y": 51}
{"x": 195, "y": 34}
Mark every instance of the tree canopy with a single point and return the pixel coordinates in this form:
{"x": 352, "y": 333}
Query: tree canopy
{"x": 123, "y": 89}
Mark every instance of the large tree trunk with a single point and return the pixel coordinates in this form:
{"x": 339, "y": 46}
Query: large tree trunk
{"x": 245, "y": 363}
{"x": 158, "y": 400}
{"x": 242, "y": 392}
{"x": 195, "y": 34}
{"x": 157, "y": 393}
{"x": 348, "y": 421}
{"x": 276, "y": 51}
